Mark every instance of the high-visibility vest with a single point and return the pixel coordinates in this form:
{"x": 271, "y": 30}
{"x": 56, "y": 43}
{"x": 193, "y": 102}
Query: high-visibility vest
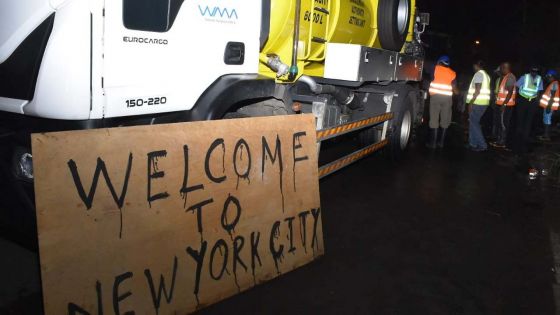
{"x": 442, "y": 84}
{"x": 530, "y": 88}
{"x": 545, "y": 99}
{"x": 484, "y": 95}
{"x": 502, "y": 92}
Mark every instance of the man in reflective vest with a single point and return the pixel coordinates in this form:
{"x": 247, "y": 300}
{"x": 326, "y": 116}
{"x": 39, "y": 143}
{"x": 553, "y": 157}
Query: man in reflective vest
{"x": 506, "y": 94}
{"x": 530, "y": 85}
{"x": 478, "y": 99}
{"x": 441, "y": 101}
{"x": 550, "y": 102}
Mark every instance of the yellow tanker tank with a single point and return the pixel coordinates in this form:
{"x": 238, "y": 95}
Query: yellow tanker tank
{"x": 334, "y": 21}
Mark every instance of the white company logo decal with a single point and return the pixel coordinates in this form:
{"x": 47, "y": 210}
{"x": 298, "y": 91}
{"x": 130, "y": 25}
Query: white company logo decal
{"x": 218, "y": 14}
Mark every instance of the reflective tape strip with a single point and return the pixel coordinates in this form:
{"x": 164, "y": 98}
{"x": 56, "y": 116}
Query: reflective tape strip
{"x": 326, "y": 134}
{"x": 441, "y": 92}
{"x": 547, "y": 98}
{"x": 545, "y": 103}
{"x": 480, "y": 97}
{"x": 330, "y": 168}
{"x": 482, "y": 91}
{"x": 441, "y": 86}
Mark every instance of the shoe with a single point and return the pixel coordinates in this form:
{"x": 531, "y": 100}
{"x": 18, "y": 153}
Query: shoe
{"x": 497, "y": 145}
{"x": 441, "y": 142}
{"x": 546, "y": 134}
{"x": 475, "y": 148}
{"x": 433, "y": 138}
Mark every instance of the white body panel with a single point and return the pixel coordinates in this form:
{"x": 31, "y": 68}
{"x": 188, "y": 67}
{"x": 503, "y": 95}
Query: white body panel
{"x": 89, "y": 70}
{"x": 12, "y": 105}
{"x": 18, "y": 19}
{"x": 342, "y": 61}
{"x": 181, "y": 70}
{"x": 62, "y": 90}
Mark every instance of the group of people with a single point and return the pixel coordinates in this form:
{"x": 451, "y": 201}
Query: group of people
{"x": 525, "y": 95}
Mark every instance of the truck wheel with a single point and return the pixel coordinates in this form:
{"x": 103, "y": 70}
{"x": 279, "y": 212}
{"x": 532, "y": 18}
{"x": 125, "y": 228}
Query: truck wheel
{"x": 401, "y": 135}
{"x": 393, "y": 20}
{"x": 235, "y": 115}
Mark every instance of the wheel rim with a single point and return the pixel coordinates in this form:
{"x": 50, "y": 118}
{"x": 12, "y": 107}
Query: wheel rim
{"x": 405, "y": 129}
{"x": 402, "y": 16}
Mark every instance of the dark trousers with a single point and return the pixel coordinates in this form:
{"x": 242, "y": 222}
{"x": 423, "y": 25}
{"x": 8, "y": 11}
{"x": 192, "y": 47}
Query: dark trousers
{"x": 502, "y": 119}
{"x": 525, "y": 113}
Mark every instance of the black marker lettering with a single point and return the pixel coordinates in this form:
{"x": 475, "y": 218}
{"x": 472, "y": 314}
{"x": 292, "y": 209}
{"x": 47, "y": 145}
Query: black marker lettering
{"x": 156, "y": 298}
{"x": 238, "y": 243}
{"x": 185, "y": 190}
{"x": 117, "y": 298}
{"x": 296, "y": 147}
{"x": 101, "y": 169}
{"x": 74, "y": 309}
{"x": 303, "y": 229}
{"x": 239, "y": 146}
{"x": 220, "y": 244}
{"x": 198, "y": 208}
{"x": 255, "y": 237}
{"x": 277, "y": 155}
{"x": 154, "y": 173}
{"x": 315, "y": 240}
{"x": 277, "y": 254}
{"x": 230, "y": 227}
{"x": 198, "y": 257}
{"x": 291, "y": 234}
{"x": 213, "y": 146}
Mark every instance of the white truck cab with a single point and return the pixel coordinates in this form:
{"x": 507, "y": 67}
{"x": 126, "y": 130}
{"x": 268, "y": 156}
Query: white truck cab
{"x": 101, "y": 59}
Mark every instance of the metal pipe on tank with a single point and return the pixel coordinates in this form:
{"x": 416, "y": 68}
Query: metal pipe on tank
{"x": 294, "y": 68}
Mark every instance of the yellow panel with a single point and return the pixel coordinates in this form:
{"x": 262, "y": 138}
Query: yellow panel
{"x": 321, "y": 21}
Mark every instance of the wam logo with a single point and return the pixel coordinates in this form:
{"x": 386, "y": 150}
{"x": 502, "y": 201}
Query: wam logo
{"x": 218, "y": 12}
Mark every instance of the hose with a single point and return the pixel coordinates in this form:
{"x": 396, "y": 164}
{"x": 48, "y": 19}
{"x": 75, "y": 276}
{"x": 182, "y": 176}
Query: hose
{"x": 342, "y": 95}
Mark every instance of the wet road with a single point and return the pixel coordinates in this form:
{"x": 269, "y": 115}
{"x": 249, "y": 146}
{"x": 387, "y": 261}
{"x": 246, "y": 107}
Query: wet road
{"x": 449, "y": 232}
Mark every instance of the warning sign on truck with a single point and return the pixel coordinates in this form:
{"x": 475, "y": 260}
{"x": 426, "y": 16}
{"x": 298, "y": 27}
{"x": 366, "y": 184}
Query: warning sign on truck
{"x": 166, "y": 219}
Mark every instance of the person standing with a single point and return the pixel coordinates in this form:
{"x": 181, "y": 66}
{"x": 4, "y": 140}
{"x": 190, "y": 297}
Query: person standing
{"x": 506, "y": 94}
{"x": 441, "y": 101}
{"x": 478, "y": 99}
{"x": 550, "y": 102}
{"x": 530, "y": 85}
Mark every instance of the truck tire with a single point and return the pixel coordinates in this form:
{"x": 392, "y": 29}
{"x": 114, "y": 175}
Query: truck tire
{"x": 393, "y": 20}
{"x": 401, "y": 135}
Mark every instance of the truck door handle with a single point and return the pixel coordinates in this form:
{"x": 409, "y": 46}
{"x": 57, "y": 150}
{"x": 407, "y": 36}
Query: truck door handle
{"x": 234, "y": 53}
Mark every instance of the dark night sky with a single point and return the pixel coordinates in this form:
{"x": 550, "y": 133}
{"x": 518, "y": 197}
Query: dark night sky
{"x": 522, "y": 31}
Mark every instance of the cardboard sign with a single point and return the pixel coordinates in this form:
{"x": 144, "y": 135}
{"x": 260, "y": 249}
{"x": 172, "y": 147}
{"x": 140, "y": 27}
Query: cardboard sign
{"x": 166, "y": 219}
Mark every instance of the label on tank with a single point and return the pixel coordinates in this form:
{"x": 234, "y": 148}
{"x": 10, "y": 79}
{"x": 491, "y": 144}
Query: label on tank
{"x": 358, "y": 13}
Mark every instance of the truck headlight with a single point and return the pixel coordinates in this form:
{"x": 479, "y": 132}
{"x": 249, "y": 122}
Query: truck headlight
{"x": 24, "y": 166}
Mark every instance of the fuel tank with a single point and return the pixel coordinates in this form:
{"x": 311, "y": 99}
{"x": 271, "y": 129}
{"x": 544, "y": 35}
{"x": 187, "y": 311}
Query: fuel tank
{"x": 331, "y": 21}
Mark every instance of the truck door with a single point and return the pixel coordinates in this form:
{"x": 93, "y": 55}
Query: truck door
{"x": 161, "y": 55}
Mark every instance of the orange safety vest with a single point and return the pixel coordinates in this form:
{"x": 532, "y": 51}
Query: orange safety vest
{"x": 545, "y": 99}
{"x": 503, "y": 92}
{"x": 443, "y": 77}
